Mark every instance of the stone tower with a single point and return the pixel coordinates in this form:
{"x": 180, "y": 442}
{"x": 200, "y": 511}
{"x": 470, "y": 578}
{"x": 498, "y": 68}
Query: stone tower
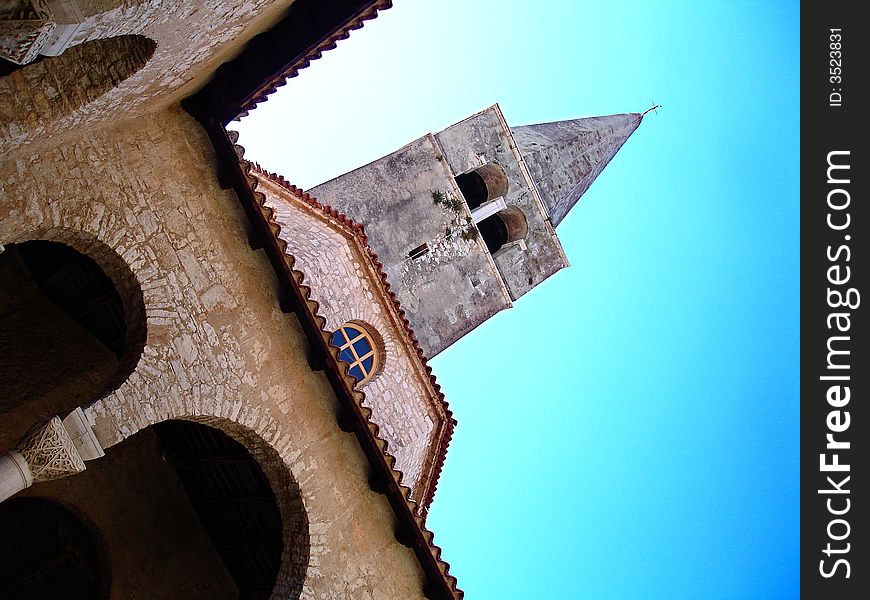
{"x": 464, "y": 220}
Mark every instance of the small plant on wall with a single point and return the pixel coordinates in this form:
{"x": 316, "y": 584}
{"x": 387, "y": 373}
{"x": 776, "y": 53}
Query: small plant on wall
{"x": 461, "y": 225}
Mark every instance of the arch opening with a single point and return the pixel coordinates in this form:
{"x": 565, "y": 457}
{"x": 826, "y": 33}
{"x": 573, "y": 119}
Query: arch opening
{"x": 188, "y": 509}
{"x": 68, "y": 334}
{"x": 504, "y": 227}
{"x": 482, "y": 184}
{"x": 234, "y": 501}
{"x": 49, "y": 552}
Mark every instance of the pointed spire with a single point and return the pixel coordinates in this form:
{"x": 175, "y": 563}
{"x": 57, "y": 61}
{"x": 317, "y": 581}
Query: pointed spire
{"x": 565, "y": 157}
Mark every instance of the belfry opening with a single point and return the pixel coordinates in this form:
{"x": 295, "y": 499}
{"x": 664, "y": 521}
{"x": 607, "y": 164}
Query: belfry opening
{"x": 505, "y": 226}
{"x": 482, "y": 184}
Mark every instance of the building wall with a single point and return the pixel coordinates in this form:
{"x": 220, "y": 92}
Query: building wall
{"x": 218, "y": 348}
{"x": 343, "y": 282}
{"x": 453, "y": 287}
{"x": 100, "y": 83}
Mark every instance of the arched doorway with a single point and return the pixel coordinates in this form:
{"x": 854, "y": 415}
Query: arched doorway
{"x": 49, "y": 552}
{"x": 68, "y": 333}
{"x": 182, "y": 510}
{"x": 234, "y": 501}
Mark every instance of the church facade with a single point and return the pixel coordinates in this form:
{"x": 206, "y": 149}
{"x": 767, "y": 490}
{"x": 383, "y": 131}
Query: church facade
{"x": 208, "y": 386}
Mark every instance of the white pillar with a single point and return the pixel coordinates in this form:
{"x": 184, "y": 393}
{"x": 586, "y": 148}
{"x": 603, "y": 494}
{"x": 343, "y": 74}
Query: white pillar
{"x": 15, "y": 475}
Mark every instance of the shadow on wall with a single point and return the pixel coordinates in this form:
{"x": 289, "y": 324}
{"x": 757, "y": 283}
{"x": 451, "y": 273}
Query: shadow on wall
{"x": 70, "y": 331}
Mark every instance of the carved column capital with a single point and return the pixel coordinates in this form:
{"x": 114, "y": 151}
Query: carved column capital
{"x": 25, "y": 27}
{"x": 50, "y": 452}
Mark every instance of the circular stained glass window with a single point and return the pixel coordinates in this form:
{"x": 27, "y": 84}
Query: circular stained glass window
{"x": 358, "y": 349}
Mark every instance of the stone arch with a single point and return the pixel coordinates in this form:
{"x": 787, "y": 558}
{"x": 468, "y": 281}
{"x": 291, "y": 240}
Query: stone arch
{"x": 259, "y": 434}
{"x": 72, "y": 325}
{"x": 125, "y": 282}
{"x": 291, "y": 573}
{"x": 483, "y": 184}
{"x": 43, "y": 92}
{"x": 506, "y": 226}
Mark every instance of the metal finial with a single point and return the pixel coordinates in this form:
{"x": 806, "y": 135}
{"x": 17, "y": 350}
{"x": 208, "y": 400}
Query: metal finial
{"x": 654, "y": 107}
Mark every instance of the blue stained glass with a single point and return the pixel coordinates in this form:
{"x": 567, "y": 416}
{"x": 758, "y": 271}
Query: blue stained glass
{"x": 356, "y": 372}
{"x": 367, "y": 364}
{"x": 346, "y": 355}
{"x": 351, "y": 332}
{"x": 338, "y": 339}
{"x": 362, "y": 347}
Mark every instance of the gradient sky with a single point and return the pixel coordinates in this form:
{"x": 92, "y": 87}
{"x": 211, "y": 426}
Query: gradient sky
{"x": 629, "y": 430}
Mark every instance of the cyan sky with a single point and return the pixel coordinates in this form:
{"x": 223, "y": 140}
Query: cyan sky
{"x": 629, "y": 430}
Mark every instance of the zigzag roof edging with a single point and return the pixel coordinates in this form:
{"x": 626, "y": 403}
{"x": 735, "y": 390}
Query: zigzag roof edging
{"x": 357, "y": 230}
{"x": 349, "y": 382}
{"x": 330, "y": 42}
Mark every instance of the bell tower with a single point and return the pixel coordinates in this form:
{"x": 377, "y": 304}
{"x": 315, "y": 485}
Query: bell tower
{"x": 464, "y": 220}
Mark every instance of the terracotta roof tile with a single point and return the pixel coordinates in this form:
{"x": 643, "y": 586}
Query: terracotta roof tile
{"x": 327, "y": 43}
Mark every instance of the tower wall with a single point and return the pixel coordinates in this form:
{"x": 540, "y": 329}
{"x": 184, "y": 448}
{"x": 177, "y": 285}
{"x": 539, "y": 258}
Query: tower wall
{"x": 407, "y": 199}
{"x": 485, "y": 138}
{"x": 428, "y": 234}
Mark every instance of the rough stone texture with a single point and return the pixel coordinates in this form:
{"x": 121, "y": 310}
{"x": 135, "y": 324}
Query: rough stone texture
{"x": 565, "y": 157}
{"x": 218, "y": 348}
{"x": 483, "y": 138}
{"x": 456, "y": 285}
{"x": 185, "y": 57}
{"x": 42, "y": 93}
{"x": 346, "y": 286}
{"x": 452, "y": 288}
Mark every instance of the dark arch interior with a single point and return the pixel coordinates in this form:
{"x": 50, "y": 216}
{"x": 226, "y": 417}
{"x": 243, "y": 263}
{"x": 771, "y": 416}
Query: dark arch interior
{"x": 47, "y": 552}
{"x": 494, "y": 232}
{"x": 62, "y": 332}
{"x": 483, "y": 184}
{"x": 76, "y": 285}
{"x": 473, "y": 188}
{"x": 232, "y": 498}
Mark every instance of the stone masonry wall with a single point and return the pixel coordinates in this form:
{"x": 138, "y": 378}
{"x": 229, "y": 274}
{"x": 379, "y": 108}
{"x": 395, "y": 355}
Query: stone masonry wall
{"x": 193, "y": 37}
{"x": 218, "y": 348}
{"x": 447, "y": 291}
{"x": 341, "y": 283}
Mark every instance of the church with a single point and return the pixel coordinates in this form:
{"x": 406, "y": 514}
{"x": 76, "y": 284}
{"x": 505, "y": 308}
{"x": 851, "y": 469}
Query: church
{"x": 214, "y": 384}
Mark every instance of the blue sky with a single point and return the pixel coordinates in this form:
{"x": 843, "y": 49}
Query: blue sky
{"x": 638, "y": 436}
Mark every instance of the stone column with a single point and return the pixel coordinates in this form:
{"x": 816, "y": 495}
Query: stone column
{"x": 51, "y": 451}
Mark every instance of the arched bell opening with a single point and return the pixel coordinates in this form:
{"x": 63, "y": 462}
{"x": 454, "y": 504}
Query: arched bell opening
{"x": 68, "y": 333}
{"x": 482, "y": 184}
{"x": 505, "y": 226}
{"x": 47, "y": 551}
